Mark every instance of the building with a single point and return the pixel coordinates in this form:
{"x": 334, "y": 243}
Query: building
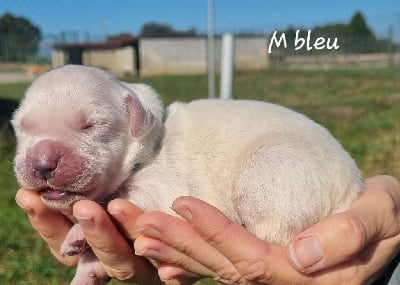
{"x": 160, "y": 55}
{"x": 119, "y": 56}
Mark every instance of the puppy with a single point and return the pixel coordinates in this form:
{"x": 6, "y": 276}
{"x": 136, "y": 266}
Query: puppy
{"x": 82, "y": 134}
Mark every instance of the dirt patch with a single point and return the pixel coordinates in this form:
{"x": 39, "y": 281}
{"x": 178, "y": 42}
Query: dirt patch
{"x": 17, "y": 72}
{"x": 344, "y": 111}
{"x": 14, "y": 77}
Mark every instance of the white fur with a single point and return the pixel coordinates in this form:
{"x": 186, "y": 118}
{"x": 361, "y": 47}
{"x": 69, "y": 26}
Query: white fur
{"x": 266, "y": 167}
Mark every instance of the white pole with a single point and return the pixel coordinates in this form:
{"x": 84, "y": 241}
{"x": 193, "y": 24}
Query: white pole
{"x": 227, "y": 54}
{"x": 210, "y": 50}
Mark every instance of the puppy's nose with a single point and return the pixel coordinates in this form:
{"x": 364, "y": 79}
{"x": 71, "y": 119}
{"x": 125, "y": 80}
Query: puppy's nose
{"x": 45, "y": 159}
{"x": 44, "y": 169}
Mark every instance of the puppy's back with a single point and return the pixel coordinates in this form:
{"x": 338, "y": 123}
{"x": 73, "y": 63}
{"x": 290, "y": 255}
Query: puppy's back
{"x": 267, "y": 167}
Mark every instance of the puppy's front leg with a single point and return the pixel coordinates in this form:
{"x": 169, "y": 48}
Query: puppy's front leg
{"x": 90, "y": 271}
{"x": 75, "y": 242}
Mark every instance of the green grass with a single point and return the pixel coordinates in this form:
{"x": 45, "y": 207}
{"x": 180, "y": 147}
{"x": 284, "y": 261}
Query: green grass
{"x": 360, "y": 107}
{"x": 12, "y": 91}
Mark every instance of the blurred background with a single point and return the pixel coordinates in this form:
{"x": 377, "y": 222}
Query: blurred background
{"x": 152, "y": 37}
{"x": 336, "y": 61}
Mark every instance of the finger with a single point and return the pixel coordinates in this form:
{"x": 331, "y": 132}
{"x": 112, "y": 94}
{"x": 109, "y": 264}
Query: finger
{"x": 258, "y": 261}
{"x": 110, "y": 246}
{"x": 254, "y": 259}
{"x": 265, "y": 263}
{"x": 190, "y": 250}
{"x": 364, "y": 268}
{"x": 155, "y": 249}
{"x": 378, "y": 207}
{"x": 224, "y": 235}
{"x": 372, "y": 217}
{"x": 125, "y": 215}
{"x": 168, "y": 271}
{"x": 51, "y": 225}
{"x": 377, "y": 256}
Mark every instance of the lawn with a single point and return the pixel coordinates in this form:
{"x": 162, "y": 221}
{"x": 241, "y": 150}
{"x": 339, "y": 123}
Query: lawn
{"x": 360, "y": 107}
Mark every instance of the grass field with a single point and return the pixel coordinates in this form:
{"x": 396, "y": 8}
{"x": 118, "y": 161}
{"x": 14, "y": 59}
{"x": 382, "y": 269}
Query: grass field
{"x": 360, "y": 107}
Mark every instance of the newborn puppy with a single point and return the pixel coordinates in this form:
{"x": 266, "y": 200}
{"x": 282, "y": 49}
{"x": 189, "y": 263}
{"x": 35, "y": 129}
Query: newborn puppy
{"x": 82, "y": 134}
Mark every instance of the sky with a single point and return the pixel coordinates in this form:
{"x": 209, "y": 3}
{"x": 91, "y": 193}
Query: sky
{"x": 100, "y": 17}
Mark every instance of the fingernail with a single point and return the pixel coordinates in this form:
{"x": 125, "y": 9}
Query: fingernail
{"x": 151, "y": 232}
{"x": 306, "y": 252}
{"x": 119, "y": 215}
{"x": 183, "y": 211}
{"x": 147, "y": 231}
{"x": 85, "y": 222}
{"x": 136, "y": 233}
{"x": 151, "y": 253}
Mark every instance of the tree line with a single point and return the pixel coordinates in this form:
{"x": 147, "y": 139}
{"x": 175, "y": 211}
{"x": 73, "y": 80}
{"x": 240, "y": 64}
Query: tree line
{"x": 353, "y": 37}
{"x": 19, "y": 38}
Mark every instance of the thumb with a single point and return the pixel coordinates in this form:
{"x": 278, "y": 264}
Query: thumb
{"x": 340, "y": 237}
{"x": 320, "y": 247}
{"x": 114, "y": 252}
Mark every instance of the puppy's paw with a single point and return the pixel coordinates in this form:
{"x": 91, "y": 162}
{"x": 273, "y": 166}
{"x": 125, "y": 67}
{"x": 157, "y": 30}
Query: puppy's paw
{"x": 91, "y": 278}
{"x": 90, "y": 271}
{"x": 73, "y": 248}
{"x": 74, "y": 242}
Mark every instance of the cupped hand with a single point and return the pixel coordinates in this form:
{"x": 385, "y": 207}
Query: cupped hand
{"x": 353, "y": 247}
{"x": 110, "y": 246}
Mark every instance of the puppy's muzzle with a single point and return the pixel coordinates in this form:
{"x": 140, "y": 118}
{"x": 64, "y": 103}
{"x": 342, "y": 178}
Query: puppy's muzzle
{"x": 51, "y": 162}
{"x": 45, "y": 158}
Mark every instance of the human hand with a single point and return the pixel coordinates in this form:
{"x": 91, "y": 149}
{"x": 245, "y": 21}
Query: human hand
{"x": 351, "y": 260}
{"x": 110, "y": 246}
{"x": 346, "y": 248}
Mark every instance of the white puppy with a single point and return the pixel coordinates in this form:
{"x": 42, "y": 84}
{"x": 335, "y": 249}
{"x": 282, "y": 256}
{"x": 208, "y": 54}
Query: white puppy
{"x": 82, "y": 134}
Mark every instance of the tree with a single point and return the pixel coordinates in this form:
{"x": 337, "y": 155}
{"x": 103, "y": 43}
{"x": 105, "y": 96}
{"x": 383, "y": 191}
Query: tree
{"x": 360, "y": 37}
{"x": 157, "y": 29}
{"x": 153, "y": 29}
{"x": 358, "y": 27}
{"x": 19, "y": 38}
{"x": 118, "y": 36}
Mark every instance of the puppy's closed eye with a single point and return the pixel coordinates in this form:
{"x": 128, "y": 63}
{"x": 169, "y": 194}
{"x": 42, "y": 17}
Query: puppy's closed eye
{"x": 87, "y": 126}
{"x": 25, "y": 125}
{"x": 83, "y": 123}
{"x": 91, "y": 125}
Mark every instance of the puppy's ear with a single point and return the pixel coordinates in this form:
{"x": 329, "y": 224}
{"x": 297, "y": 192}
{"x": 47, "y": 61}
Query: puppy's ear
{"x": 141, "y": 119}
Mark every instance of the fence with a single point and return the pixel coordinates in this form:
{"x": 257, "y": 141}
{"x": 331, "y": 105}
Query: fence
{"x": 189, "y": 55}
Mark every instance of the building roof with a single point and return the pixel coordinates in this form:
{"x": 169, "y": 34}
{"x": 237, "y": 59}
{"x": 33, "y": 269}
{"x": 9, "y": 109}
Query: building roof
{"x": 122, "y": 41}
